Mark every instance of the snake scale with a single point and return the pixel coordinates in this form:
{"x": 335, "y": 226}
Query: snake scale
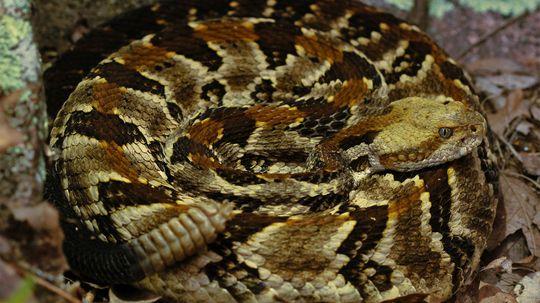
{"x": 269, "y": 151}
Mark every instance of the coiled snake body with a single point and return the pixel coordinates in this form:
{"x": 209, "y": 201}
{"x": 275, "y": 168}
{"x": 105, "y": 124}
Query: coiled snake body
{"x": 261, "y": 151}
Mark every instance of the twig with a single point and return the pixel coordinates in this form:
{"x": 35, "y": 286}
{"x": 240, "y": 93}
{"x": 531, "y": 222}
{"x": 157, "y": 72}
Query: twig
{"x": 486, "y": 37}
{"x": 55, "y": 289}
{"x": 419, "y": 13}
{"x": 47, "y": 285}
{"x": 510, "y": 147}
{"x": 513, "y": 174}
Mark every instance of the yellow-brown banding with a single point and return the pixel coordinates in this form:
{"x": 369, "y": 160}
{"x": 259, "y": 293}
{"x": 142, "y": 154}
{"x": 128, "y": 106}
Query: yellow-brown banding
{"x": 118, "y": 161}
{"x": 274, "y": 177}
{"x": 351, "y": 93}
{"x": 226, "y": 31}
{"x": 270, "y": 116}
{"x": 203, "y": 161}
{"x": 106, "y": 97}
{"x": 144, "y": 55}
{"x": 318, "y": 220}
{"x": 405, "y": 202}
{"x": 323, "y": 50}
{"x": 206, "y": 132}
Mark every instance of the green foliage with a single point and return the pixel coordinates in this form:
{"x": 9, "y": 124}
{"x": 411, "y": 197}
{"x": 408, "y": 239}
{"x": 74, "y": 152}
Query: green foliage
{"x": 401, "y": 4}
{"x": 506, "y": 7}
{"x": 23, "y": 292}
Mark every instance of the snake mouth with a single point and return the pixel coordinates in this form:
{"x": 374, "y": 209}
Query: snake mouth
{"x": 470, "y": 144}
{"x": 465, "y": 146}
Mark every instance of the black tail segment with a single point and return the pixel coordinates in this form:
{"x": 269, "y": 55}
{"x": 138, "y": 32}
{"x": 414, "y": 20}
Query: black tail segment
{"x": 91, "y": 258}
{"x": 98, "y": 261}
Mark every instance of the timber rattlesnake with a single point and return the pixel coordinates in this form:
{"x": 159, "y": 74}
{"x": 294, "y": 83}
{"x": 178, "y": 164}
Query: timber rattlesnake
{"x": 267, "y": 150}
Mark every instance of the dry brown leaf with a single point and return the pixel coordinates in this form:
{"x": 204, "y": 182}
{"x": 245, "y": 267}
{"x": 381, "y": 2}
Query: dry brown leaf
{"x": 531, "y": 163}
{"x": 494, "y": 66}
{"x": 500, "y": 297}
{"x": 535, "y": 111}
{"x": 42, "y": 216}
{"x": 10, "y": 279}
{"x": 528, "y": 289}
{"x": 507, "y": 281}
{"x": 536, "y": 219}
{"x": 496, "y": 77}
{"x": 502, "y": 264}
{"x": 527, "y": 264}
{"x": 505, "y": 275}
{"x": 513, "y": 81}
{"x": 521, "y": 203}
{"x": 486, "y": 291}
{"x": 524, "y": 127}
{"x": 514, "y": 107}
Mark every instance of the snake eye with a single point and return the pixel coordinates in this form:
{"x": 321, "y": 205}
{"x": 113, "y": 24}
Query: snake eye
{"x": 445, "y": 132}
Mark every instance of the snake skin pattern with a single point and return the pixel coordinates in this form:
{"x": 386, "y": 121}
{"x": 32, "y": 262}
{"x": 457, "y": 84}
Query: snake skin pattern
{"x": 269, "y": 151}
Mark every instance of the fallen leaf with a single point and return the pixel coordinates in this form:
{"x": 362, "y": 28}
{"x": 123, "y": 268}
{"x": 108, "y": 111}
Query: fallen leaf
{"x": 514, "y": 107}
{"x": 531, "y": 163}
{"x": 535, "y": 111}
{"x": 524, "y": 127}
{"x": 500, "y": 297}
{"x": 486, "y": 291}
{"x": 513, "y": 81}
{"x": 10, "y": 279}
{"x": 528, "y": 264}
{"x": 502, "y": 264}
{"x": 508, "y": 281}
{"x": 503, "y": 272}
{"x": 494, "y": 93}
{"x": 42, "y": 216}
{"x": 494, "y": 66}
{"x": 528, "y": 290}
{"x": 495, "y": 77}
{"x": 520, "y": 202}
{"x": 536, "y": 219}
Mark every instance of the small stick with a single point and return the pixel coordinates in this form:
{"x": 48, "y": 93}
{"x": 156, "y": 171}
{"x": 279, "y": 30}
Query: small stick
{"x": 48, "y": 285}
{"x": 55, "y": 289}
{"x": 483, "y": 39}
{"x": 419, "y": 14}
{"x": 522, "y": 176}
{"x": 510, "y": 147}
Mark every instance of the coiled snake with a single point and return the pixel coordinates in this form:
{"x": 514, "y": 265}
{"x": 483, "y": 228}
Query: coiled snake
{"x": 261, "y": 151}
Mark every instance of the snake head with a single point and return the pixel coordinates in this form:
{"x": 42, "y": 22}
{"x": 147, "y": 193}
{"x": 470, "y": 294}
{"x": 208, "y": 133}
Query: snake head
{"x": 424, "y": 132}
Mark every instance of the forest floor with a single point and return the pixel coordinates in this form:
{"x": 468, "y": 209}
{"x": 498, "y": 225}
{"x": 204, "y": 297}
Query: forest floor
{"x": 503, "y": 57}
{"x": 502, "y": 54}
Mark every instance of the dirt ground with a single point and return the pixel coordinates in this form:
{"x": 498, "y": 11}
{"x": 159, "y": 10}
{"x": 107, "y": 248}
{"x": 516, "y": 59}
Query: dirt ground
{"x": 502, "y": 55}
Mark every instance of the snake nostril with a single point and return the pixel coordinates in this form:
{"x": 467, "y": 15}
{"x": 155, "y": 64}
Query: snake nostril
{"x": 473, "y": 128}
